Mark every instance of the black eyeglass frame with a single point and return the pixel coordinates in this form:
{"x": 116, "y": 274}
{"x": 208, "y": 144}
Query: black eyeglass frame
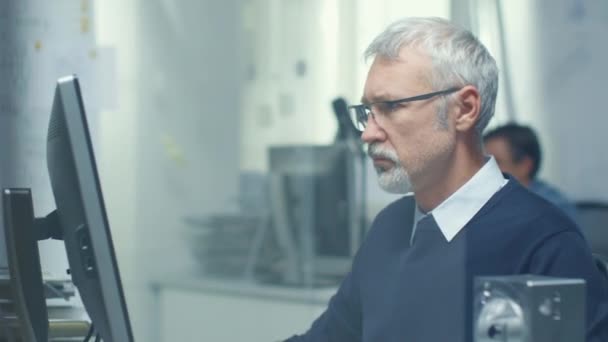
{"x": 361, "y": 115}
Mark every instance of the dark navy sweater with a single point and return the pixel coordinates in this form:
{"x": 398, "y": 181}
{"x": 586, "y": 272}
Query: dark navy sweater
{"x": 423, "y": 292}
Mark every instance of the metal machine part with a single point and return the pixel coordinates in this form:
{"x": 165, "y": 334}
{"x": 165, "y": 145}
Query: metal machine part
{"x": 529, "y": 308}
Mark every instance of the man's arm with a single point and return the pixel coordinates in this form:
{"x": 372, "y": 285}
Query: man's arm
{"x": 341, "y": 321}
{"x": 567, "y": 254}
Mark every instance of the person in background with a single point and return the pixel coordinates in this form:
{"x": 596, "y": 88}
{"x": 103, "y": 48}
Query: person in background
{"x": 517, "y": 151}
{"x": 429, "y": 93}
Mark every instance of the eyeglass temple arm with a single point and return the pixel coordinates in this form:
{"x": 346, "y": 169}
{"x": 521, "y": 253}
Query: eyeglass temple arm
{"x": 407, "y": 99}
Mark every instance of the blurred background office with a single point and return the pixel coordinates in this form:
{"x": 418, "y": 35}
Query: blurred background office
{"x": 234, "y": 201}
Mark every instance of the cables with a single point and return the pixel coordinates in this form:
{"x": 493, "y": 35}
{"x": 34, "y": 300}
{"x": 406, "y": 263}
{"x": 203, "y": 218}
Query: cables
{"x": 90, "y": 333}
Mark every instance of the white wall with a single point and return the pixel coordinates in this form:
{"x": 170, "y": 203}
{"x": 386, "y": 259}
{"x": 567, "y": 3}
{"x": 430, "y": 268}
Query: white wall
{"x": 170, "y": 148}
{"x": 280, "y": 107}
{"x": 188, "y": 116}
{"x": 40, "y": 43}
{"x": 571, "y": 55}
{"x": 558, "y": 73}
{"x": 188, "y": 93}
{"x": 299, "y": 57}
{"x": 117, "y": 132}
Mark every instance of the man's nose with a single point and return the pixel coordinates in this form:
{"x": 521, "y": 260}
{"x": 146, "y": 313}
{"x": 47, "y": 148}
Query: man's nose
{"x": 372, "y": 132}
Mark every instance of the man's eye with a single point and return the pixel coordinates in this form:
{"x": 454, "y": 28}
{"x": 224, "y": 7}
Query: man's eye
{"x": 388, "y": 107}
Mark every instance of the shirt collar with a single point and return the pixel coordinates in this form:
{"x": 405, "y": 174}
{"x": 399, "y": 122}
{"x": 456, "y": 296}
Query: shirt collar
{"x": 458, "y": 209}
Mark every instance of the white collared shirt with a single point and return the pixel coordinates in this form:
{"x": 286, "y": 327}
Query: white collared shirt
{"x": 458, "y": 209}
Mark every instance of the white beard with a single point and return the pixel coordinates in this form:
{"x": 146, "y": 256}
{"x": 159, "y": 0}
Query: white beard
{"x": 395, "y": 179}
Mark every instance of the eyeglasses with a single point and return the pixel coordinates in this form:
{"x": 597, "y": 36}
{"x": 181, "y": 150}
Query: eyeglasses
{"x": 359, "y": 114}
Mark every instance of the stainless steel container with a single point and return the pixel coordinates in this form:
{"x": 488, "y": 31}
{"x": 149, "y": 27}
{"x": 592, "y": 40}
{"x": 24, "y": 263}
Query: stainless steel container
{"x": 529, "y": 308}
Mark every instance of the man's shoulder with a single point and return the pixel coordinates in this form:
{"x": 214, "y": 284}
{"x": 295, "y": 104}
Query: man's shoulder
{"x": 516, "y": 208}
{"x": 540, "y": 207}
{"x": 518, "y": 225}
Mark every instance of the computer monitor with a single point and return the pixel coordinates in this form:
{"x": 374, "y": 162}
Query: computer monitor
{"x": 25, "y": 276}
{"x": 80, "y": 218}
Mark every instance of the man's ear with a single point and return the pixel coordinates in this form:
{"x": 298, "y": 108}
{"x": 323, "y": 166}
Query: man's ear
{"x": 468, "y": 108}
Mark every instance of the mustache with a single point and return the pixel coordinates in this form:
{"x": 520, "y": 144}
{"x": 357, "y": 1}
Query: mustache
{"x": 376, "y": 151}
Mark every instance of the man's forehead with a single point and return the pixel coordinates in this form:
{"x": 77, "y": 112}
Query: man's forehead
{"x": 389, "y": 78}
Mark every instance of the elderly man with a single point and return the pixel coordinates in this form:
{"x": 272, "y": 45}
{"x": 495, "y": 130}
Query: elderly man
{"x": 429, "y": 93}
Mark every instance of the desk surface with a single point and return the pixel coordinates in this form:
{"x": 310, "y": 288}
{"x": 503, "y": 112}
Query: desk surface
{"x": 245, "y": 288}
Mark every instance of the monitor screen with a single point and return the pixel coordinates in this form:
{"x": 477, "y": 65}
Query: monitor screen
{"x": 82, "y": 216}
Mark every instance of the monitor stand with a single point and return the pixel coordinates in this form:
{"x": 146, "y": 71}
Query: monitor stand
{"x": 27, "y": 289}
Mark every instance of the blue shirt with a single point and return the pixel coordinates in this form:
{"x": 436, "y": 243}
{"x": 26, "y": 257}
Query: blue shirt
{"x": 554, "y": 196}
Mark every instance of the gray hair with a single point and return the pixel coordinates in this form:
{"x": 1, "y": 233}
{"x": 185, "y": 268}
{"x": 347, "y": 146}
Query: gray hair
{"x": 458, "y": 58}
